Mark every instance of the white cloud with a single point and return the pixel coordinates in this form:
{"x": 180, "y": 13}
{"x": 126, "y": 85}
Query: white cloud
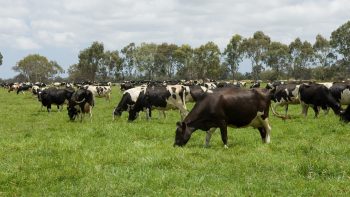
{"x": 25, "y": 43}
{"x": 74, "y": 25}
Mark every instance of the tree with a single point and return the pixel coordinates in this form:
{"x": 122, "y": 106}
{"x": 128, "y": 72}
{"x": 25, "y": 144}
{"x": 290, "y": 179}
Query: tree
{"x": 91, "y": 60}
{"x": 165, "y": 59}
{"x": 302, "y": 57}
{"x": 112, "y": 66}
{"x": 207, "y": 61}
{"x": 324, "y": 57}
{"x": 144, "y": 59}
{"x": 277, "y": 58}
{"x": 37, "y": 68}
{"x": 233, "y": 54}
{"x": 340, "y": 40}
{"x": 184, "y": 59}
{"x": 128, "y": 59}
{"x": 1, "y": 58}
{"x": 255, "y": 49}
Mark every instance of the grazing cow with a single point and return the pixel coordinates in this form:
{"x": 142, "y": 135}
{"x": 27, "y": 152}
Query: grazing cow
{"x": 23, "y": 87}
{"x": 255, "y": 84}
{"x": 283, "y": 95}
{"x": 195, "y": 92}
{"x": 128, "y": 99}
{"x": 341, "y": 92}
{"x": 54, "y": 96}
{"x": 81, "y": 102}
{"x": 126, "y": 85}
{"x": 100, "y": 91}
{"x": 317, "y": 95}
{"x": 160, "y": 97}
{"x": 232, "y": 107}
{"x": 210, "y": 85}
{"x": 13, "y": 87}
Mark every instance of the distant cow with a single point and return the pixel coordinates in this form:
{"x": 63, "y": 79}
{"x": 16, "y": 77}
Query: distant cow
{"x": 284, "y": 95}
{"x": 100, "y": 91}
{"x": 341, "y": 92}
{"x": 232, "y": 107}
{"x": 54, "y": 96}
{"x": 195, "y": 92}
{"x": 160, "y": 97}
{"x": 255, "y": 84}
{"x": 126, "y": 85}
{"x": 318, "y": 95}
{"x": 81, "y": 102}
{"x": 23, "y": 87}
{"x": 128, "y": 99}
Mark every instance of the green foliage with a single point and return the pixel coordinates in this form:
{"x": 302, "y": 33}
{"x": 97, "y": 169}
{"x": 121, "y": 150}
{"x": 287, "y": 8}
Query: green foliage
{"x": 37, "y": 68}
{"x": 255, "y": 49}
{"x": 233, "y": 54}
{"x": 145, "y": 59}
{"x": 1, "y": 58}
{"x": 128, "y": 60}
{"x": 340, "y": 40}
{"x": 302, "y": 55}
{"x": 278, "y": 58}
{"x": 46, "y": 155}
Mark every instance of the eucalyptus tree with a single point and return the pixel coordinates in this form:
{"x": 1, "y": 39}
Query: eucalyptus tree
{"x": 277, "y": 57}
{"x": 255, "y": 49}
{"x": 324, "y": 58}
{"x": 37, "y": 68}
{"x": 145, "y": 59}
{"x": 233, "y": 54}
{"x": 207, "y": 61}
{"x": 128, "y": 59}
{"x": 1, "y": 58}
{"x": 340, "y": 40}
{"x": 165, "y": 60}
{"x": 302, "y": 57}
{"x": 184, "y": 59}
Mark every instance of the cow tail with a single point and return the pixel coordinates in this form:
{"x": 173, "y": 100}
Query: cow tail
{"x": 279, "y": 115}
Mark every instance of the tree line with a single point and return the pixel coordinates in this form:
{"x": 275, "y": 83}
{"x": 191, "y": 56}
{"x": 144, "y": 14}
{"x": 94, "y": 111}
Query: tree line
{"x": 325, "y": 59}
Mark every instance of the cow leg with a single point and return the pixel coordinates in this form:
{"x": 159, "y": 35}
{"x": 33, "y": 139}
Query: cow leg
{"x": 286, "y": 109}
{"x": 304, "y": 108}
{"x": 90, "y": 113}
{"x": 316, "y": 110}
{"x": 265, "y": 130}
{"x": 223, "y": 130}
{"x": 48, "y": 108}
{"x": 208, "y": 136}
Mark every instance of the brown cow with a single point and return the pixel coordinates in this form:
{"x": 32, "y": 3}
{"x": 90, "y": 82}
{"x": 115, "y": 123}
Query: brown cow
{"x": 232, "y": 107}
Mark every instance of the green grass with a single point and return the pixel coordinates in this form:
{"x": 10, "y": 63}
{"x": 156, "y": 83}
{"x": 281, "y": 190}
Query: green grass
{"x": 44, "y": 154}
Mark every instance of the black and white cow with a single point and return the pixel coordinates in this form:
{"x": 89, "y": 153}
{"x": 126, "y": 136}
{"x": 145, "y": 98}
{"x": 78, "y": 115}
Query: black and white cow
{"x": 24, "y": 87}
{"x": 195, "y": 92}
{"x": 232, "y": 107}
{"x": 128, "y": 99}
{"x": 100, "y": 91}
{"x": 81, "y": 102}
{"x": 126, "y": 85}
{"x": 341, "y": 92}
{"x": 316, "y": 96}
{"x": 54, "y": 96}
{"x": 161, "y": 98}
{"x": 284, "y": 95}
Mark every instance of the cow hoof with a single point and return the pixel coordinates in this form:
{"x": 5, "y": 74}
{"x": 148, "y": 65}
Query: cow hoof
{"x": 225, "y": 146}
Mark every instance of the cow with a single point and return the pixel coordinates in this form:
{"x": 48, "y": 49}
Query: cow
{"x": 341, "y": 92}
{"x": 23, "y": 87}
{"x": 100, "y": 91}
{"x": 13, "y": 87}
{"x": 255, "y": 84}
{"x": 81, "y": 102}
{"x": 128, "y": 99}
{"x": 232, "y": 107}
{"x": 160, "y": 97}
{"x": 317, "y": 95}
{"x": 195, "y": 92}
{"x": 54, "y": 96}
{"x": 284, "y": 95}
{"x": 126, "y": 85}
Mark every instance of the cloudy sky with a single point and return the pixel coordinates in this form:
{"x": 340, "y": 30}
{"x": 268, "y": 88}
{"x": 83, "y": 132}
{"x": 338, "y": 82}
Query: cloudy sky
{"x": 59, "y": 29}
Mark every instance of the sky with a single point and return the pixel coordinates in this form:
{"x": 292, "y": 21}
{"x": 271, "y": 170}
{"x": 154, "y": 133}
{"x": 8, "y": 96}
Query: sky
{"x": 60, "y": 29}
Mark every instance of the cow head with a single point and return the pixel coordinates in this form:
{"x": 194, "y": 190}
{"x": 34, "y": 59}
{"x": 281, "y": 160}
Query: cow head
{"x": 182, "y": 134}
{"x": 72, "y": 112}
{"x": 132, "y": 113}
{"x": 345, "y": 115}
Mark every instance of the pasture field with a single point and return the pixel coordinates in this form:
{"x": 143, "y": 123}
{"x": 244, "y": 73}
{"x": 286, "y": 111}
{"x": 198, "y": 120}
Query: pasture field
{"x": 45, "y": 154}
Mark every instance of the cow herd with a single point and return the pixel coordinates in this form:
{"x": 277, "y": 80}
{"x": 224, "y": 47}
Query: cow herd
{"x": 217, "y": 105}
